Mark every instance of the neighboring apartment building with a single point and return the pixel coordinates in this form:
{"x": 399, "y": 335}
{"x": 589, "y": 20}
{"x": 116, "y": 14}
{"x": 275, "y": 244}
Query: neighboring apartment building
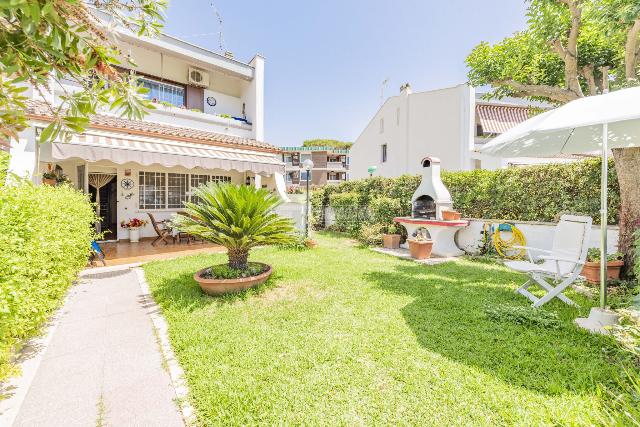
{"x": 450, "y": 124}
{"x": 330, "y": 165}
{"x": 208, "y": 126}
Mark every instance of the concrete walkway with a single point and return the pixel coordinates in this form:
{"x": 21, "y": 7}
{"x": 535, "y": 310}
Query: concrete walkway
{"x": 103, "y": 366}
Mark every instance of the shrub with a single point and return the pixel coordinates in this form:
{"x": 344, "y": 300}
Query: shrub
{"x": 4, "y": 167}
{"x": 349, "y": 213}
{"x": 383, "y": 211}
{"x": 371, "y": 234}
{"x": 45, "y": 236}
{"x": 533, "y": 193}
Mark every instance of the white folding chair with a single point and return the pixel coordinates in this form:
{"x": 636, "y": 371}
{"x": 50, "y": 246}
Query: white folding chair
{"x": 562, "y": 264}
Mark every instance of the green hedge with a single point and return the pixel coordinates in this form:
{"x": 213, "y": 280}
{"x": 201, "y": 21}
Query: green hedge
{"x": 4, "y": 166}
{"x": 45, "y": 236}
{"x": 533, "y": 193}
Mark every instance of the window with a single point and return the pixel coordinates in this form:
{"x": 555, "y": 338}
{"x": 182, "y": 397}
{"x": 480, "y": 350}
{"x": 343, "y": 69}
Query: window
{"x": 159, "y": 190}
{"x": 303, "y": 175}
{"x": 384, "y": 153}
{"x": 177, "y": 189}
{"x": 221, "y": 179}
{"x": 381, "y": 125}
{"x": 163, "y": 92}
{"x": 197, "y": 181}
{"x": 152, "y": 190}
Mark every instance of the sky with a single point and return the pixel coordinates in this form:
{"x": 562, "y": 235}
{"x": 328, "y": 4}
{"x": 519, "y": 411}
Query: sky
{"x": 326, "y": 60}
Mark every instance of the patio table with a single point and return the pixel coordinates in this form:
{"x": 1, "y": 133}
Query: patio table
{"x": 441, "y": 232}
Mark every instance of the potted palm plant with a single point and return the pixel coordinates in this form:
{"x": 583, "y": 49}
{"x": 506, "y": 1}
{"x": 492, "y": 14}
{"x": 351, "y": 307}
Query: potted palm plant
{"x": 591, "y": 269}
{"x": 238, "y": 218}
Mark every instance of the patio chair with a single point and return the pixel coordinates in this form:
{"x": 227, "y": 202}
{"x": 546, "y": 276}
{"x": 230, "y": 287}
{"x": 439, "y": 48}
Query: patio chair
{"x": 161, "y": 230}
{"x": 562, "y": 264}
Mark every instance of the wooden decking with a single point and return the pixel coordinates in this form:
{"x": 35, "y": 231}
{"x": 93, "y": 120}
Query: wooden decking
{"x": 119, "y": 253}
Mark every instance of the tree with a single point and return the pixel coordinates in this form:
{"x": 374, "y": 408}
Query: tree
{"x": 572, "y": 49}
{"x": 333, "y": 143}
{"x": 45, "y": 41}
{"x": 236, "y": 217}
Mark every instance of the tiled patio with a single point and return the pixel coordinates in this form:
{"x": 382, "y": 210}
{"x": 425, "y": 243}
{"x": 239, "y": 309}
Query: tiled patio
{"x": 119, "y": 253}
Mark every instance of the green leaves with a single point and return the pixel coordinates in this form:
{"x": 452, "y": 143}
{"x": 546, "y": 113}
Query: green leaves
{"x": 236, "y": 217}
{"x": 45, "y": 235}
{"x": 45, "y": 41}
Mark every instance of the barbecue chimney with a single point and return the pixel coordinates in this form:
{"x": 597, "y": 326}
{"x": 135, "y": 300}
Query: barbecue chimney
{"x": 431, "y": 197}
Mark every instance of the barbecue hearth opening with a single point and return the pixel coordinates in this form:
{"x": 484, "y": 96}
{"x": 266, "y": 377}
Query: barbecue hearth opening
{"x": 424, "y": 207}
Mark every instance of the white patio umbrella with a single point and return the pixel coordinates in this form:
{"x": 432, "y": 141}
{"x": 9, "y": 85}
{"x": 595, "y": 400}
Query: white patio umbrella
{"x": 585, "y": 126}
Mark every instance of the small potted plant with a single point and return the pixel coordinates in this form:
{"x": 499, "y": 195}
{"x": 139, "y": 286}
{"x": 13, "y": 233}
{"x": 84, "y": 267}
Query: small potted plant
{"x": 451, "y": 215}
{"x": 49, "y": 177}
{"x": 134, "y": 225}
{"x": 420, "y": 246}
{"x": 390, "y": 238}
{"x": 591, "y": 269}
{"x": 62, "y": 179}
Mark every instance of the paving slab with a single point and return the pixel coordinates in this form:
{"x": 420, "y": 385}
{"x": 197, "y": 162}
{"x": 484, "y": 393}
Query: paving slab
{"x": 103, "y": 365}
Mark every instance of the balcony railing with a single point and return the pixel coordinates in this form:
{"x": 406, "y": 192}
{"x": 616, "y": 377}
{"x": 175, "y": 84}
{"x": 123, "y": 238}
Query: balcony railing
{"x": 335, "y": 165}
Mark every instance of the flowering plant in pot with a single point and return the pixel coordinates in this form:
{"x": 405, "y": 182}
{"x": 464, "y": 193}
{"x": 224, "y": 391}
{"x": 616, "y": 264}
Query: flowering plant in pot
{"x": 420, "y": 246}
{"x": 134, "y": 225}
{"x": 238, "y": 218}
{"x": 591, "y": 269}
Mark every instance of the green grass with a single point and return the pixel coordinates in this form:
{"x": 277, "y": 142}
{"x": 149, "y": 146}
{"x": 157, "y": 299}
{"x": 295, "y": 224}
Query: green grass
{"x": 344, "y": 336}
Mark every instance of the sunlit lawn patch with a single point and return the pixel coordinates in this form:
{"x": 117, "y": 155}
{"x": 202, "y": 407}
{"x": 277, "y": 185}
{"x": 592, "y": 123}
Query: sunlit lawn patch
{"x": 342, "y": 335}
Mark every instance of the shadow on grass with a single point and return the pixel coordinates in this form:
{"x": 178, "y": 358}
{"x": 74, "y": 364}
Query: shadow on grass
{"x": 448, "y": 317}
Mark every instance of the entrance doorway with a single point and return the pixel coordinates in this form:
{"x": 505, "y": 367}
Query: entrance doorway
{"x": 103, "y": 190}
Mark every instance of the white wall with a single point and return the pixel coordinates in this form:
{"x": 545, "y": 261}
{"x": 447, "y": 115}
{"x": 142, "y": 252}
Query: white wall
{"x": 253, "y": 97}
{"x": 435, "y": 123}
{"x": 537, "y": 234}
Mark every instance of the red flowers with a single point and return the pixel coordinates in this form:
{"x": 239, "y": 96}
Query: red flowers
{"x": 134, "y": 223}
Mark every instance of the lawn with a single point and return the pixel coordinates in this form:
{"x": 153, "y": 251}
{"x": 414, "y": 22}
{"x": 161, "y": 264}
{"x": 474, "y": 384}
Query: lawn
{"x": 345, "y": 336}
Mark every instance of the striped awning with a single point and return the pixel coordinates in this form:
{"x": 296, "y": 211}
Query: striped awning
{"x": 497, "y": 119}
{"x": 149, "y": 151}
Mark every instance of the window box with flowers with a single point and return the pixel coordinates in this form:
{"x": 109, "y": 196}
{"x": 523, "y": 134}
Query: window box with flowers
{"x": 133, "y": 225}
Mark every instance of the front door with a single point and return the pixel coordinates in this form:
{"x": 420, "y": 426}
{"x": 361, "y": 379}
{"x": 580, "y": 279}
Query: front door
{"x": 107, "y": 201}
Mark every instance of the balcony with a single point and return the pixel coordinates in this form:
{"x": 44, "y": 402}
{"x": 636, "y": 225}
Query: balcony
{"x": 199, "y": 120}
{"x": 336, "y": 165}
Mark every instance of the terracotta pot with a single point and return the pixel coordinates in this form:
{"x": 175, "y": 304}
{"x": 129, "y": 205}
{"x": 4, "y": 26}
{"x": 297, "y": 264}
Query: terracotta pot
{"x": 591, "y": 271}
{"x": 420, "y": 249}
{"x": 391, "y": 241}
{"x": 216, "y": 287}
{"x": 49, "y": 181}
{"x": 451, "y": 215}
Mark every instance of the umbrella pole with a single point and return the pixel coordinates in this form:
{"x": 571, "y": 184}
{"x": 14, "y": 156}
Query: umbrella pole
{"x": 604, "y": 215}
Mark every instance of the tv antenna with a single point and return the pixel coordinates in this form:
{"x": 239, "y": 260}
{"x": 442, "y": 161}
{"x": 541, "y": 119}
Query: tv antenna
{"x": 220, "y": 33}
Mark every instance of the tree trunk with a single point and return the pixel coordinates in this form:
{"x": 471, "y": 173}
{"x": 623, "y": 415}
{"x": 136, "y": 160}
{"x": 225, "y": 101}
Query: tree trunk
{"x": 631, "y": 51}
{"x": 238, "y": 258}
{"x": 627, "y": 161}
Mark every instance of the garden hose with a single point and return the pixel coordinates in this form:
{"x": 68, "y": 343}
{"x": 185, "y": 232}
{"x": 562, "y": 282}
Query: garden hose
{"x": 505, "y": 247}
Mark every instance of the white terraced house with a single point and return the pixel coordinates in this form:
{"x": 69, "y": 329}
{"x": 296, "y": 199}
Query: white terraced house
{"x": 450, "y": 124}
{"x": 208, "y": 126}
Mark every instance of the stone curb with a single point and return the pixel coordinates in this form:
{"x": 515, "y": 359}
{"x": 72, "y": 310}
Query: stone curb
{"x": 174, "y": 369}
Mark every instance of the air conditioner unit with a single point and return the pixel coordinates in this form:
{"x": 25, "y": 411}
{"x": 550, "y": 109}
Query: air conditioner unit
{"x": 198, "y": 77}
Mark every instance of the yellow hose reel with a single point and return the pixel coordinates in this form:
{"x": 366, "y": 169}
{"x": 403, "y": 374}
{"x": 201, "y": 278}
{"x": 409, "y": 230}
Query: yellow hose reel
{"x": 504, "y": 237}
